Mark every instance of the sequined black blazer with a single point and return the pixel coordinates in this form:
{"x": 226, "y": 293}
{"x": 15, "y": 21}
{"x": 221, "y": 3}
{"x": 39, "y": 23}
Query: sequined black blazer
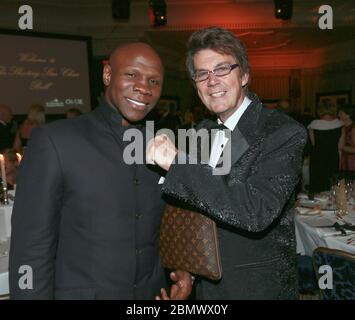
{"x": 252, "y": 205}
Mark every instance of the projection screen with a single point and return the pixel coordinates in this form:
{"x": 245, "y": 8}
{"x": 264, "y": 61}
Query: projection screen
{"x": 51, "y": 70}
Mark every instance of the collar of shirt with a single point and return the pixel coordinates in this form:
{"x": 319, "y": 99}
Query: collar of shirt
{"x": 3, "y": 122}
{"x": 220, "y": 140}
{"x": 232, "y": 121}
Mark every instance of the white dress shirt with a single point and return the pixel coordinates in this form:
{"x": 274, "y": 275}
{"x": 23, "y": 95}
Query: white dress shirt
{"x": 220, "y": 139}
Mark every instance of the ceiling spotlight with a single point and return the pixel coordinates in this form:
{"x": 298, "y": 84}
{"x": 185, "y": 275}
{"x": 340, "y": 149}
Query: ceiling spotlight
{"x": 157, "y": 13}
{"x": 283, "y": 9}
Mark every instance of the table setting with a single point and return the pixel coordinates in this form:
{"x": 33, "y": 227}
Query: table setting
{"x": 326, "y": 219}
{"x": 5, "y": 232}
{"x": 4, "y": 265}
{"x": 7, "y": 198}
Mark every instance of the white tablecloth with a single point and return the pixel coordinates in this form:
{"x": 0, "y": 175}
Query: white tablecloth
{"x": 309, "y": 236}
{"x": 4, "y": 266}
{"x": 5, "y": 221}
{"x": 5, "y": 232}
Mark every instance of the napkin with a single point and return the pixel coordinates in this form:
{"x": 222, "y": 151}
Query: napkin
{"x": 349, "y": 219}
{"x": 302, "y": 195}
{"x": 328, "y": 232}
{"x": 309, "y": 212}
{"x": 3, "y": 231}
{"x": 335, "y": 229}
{"x": 316, "y": 221}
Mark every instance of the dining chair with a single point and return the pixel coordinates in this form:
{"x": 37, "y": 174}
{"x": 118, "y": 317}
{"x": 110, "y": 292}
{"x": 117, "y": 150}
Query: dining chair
{"x": 307, "y": 282}
{"x": 343, "y": 273}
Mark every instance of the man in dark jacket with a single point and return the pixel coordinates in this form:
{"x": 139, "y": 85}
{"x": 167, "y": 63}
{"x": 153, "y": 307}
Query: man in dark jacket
{"x": 252, "y": 202}
{"x": 85, "y": 224}
{"x": 6, "y": 137}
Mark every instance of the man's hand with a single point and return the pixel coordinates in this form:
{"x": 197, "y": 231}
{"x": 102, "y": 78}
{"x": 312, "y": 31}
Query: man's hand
{"x": 161, "y": 151}
{"x": 182, "y": 287}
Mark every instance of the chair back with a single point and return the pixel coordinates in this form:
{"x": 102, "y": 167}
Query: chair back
{"x": 343, "y": 273}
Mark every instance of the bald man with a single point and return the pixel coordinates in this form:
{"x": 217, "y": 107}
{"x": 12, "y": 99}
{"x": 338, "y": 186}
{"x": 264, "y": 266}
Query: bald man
{"x": 84, "y": 222}
{"x": 6, "y": 138}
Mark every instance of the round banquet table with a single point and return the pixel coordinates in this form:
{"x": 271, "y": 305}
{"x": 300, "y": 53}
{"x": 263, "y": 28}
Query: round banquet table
{"x": 5, "y": 232}
{"x": 313, "y": 231}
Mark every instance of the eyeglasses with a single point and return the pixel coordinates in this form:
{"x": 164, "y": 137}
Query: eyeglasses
{"x": 220, "y": 71}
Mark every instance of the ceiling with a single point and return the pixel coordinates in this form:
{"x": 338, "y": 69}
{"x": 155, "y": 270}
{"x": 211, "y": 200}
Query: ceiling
{"x": 261, "y": 41}
{"x": 252, "y": 20}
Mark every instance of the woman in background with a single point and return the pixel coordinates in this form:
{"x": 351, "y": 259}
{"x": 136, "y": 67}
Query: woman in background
{"x": 35, "y": 118}
{"x": 346, "y": 114}
{"x": 327, "y": 136}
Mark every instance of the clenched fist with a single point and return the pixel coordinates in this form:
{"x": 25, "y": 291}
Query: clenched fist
{"x": 161, "y": 151}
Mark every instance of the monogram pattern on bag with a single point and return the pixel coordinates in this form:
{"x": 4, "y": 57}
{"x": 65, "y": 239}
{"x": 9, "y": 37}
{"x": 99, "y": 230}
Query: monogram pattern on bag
{"x": 188, "y": 241}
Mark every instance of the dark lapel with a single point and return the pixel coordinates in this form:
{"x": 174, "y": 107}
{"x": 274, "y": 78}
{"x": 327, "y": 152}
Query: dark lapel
{"x": 239, "y": 145}
{"x": 246, "y": 130}
{"x": 206, "y": 144}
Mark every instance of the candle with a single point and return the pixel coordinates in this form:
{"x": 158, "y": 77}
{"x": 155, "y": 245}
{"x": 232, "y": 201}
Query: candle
{"x": 3, "y": 173}
{"x": 19, "y": 157}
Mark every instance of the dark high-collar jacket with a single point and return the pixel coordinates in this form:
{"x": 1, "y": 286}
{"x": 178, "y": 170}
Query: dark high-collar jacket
{"x": 85, "y": 221}
{"x": 252, "y": 205}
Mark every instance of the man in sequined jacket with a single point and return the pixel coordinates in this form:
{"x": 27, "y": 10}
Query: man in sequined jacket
{"x": 252, "y": 203}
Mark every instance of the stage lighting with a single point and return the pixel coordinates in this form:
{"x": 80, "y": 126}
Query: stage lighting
{"x": 157, "y": 13}
{"x": 283, "y": 9}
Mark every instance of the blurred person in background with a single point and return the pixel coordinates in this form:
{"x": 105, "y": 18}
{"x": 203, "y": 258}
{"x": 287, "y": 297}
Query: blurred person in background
{"x": 72, "y": 113}
{"x": 188, "y": 120}
{"x": 346, "y": 114}
{"x": 285, "y": 106}
{"x": 168, "y": 118}
{"x": 327, "y": 137}
{"x": 6, "y": 139}
{"x": 35, "y": 118}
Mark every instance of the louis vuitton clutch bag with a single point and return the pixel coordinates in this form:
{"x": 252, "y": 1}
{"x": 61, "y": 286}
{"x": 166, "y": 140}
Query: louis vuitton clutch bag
{"x": 189, "y": 242}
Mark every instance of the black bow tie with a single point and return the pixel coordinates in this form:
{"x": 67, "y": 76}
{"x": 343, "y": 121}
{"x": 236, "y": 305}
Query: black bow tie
{"x": 210, "y": 124}
{"x": 219, "y": 126}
